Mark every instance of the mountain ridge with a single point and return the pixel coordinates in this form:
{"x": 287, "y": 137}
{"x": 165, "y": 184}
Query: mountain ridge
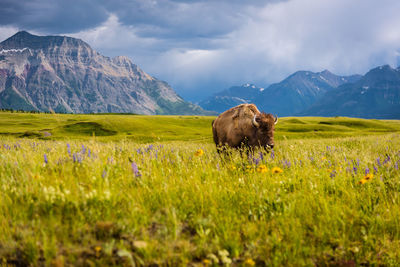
{"x": 376, "y": 95}
{"x": 65, "y": 74}
{"x": 287, "y": 97}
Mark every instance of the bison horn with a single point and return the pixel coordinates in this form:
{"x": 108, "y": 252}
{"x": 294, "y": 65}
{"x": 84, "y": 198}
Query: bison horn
{"x": 255, "y": 123}
{"x": 276, "y": 119}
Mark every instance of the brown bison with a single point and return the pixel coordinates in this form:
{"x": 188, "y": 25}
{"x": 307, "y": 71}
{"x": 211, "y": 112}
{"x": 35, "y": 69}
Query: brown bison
{"x": 244, "y": 125}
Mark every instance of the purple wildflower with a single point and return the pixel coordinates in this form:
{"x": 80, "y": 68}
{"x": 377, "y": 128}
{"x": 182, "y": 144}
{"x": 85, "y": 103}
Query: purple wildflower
{"x": 104, "y": 174}
{"x": 396, "y": 166}
{"x": 333, "y": 174}
{"x": 76, "y": 158}
{"x": 355, "y": 169}
{"x": 287, "y": 163}
{"x": 89, "y": 153}
{"x": 45, "y": 159}
{"x": 378, "y": 161}
{"x": 366, "y": 171}
{"x": 136, "y": 170}
{"x": 375, "y": 169}
{"x": 311, "y": 159}
{"x": 150, "y": 147}
{"x": 139, "y": 151}
{"x": 358, "y": 162}
{"x": 257, "y": 161}
{"x": 272, "y": 154}
{"x": 83, "y": 149}
{"x": 387, "y": 159}
{"x": 261, "y": 155}
{"x": 69, "y": 149}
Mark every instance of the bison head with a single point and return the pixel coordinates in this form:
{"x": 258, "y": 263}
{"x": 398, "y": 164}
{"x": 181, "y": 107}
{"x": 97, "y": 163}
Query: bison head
{"x": 265, "y": 126}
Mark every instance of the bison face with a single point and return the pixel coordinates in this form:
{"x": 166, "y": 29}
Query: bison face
{"x": 265, "y": 126}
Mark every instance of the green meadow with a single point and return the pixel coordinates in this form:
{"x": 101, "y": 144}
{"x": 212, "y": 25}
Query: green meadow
{"x": 148, "y": 129}
{"x": 131, "y": 190}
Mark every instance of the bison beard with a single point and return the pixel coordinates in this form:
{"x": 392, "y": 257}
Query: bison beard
{"x": 244, "y": 126}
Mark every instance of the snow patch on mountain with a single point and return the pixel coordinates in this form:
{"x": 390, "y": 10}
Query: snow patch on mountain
{"x": 5, "y": 51}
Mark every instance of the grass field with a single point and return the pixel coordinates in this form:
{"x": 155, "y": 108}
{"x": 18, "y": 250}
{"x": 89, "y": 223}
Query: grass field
{"x": 87, "y": 190}
{"x": 148, "y": 129}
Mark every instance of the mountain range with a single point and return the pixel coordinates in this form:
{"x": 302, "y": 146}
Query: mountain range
{"x": 304, "y": 93}
{"x": 374, "y": 95}
{"x": 64, "y": 74}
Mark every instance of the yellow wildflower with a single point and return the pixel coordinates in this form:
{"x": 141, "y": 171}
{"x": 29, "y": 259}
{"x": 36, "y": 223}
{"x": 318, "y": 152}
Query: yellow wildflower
{"x": 206, "y": 262}
{"x": 249, "y": 262}
{"x": 233, "y": 167}
{"x": 199, "y": 152}
{"x": 368, "y": 176}
{"x": 362, "y": 181}
{"x": 276, "y": 170}
{"x": 97, "y": 249}
{"x": 262, "y": 169}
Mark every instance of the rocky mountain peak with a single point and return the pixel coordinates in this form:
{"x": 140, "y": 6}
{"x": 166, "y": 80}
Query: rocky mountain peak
{"x": 122, "y": 60}
{"x": 326, "y": 72}
{"x": 382, "y": 73}
{"x": 374, "y": 95}
{"x": 24, "y": 39}
{"x": 65, "y": 74}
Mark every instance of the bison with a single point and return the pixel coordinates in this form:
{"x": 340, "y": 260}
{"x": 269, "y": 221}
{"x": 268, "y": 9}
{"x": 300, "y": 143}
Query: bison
{"x": 244, "y": 126}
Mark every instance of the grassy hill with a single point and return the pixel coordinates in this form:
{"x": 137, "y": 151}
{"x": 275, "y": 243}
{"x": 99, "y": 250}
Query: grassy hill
{"x": 146, "y": 129}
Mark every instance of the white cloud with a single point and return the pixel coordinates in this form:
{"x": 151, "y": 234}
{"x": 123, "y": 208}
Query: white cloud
{"x": 112, "y": 38}
{"x": 343, "y": 36}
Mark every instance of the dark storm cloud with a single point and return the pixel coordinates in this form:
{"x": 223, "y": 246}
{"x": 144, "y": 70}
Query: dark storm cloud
{"x": 183, "y": 19}
{"x": 161, "y": 18}
{"x": 200, "y": 46}
{"x": 52, "y": 16}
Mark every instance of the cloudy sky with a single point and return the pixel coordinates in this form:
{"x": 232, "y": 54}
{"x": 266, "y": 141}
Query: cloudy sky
{"x": 204, "y": 46}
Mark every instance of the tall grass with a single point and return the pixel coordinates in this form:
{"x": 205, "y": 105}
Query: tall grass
{"x": 309, "y": 202}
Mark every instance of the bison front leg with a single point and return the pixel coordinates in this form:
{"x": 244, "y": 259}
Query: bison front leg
{"x": 221, "y": 149}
